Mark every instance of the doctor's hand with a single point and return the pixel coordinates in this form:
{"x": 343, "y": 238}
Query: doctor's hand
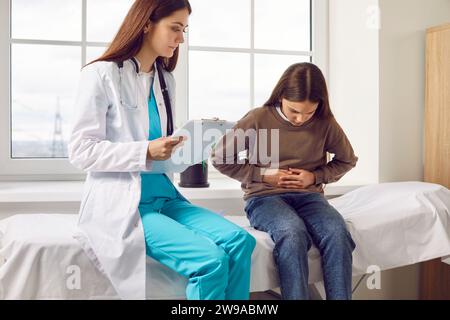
{"x": 162, "y": 148}
{"x": 299, "y": 179}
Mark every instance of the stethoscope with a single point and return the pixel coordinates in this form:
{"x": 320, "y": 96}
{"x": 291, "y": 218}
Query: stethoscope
{"x": 163, "y": 87}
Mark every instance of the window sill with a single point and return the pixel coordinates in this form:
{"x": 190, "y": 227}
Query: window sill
{"x": 71, "y": 191}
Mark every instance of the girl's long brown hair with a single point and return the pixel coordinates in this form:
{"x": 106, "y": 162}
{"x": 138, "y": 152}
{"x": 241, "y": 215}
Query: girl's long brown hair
{"x": 302, "y": 82}
{"x": 130, "y": 37}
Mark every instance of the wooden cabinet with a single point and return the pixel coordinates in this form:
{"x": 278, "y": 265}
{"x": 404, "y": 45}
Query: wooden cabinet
{"x": 435, "y": 275}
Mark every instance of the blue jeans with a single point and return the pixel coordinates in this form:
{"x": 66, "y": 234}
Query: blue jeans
{"x": 213, "y": 253}
{"x": 295, "y": 221}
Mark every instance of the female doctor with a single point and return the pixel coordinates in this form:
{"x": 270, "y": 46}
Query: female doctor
{"x": 124, "y": 117}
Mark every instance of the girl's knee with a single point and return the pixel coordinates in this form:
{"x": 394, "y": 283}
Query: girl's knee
{"x": 292, "y": 240}
{"x": 338, "y": 235}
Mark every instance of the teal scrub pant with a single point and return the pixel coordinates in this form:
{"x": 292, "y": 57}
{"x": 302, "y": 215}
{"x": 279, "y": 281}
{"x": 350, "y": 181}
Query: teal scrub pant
{"x": 213, "y": 253}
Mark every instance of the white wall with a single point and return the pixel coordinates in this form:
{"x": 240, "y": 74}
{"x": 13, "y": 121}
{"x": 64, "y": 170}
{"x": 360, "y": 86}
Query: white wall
{"x": 353, "y": 83}
{"x": 377, "y": 75}
{"x": 402, "y": 84}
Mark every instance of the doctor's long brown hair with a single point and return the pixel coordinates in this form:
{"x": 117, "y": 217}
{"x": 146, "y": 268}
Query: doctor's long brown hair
{"x": 301, "y": 82}
{"x": 130, "y": 37}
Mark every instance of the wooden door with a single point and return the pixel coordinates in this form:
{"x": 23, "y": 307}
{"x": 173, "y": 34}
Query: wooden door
{"x": 435, "y": 275}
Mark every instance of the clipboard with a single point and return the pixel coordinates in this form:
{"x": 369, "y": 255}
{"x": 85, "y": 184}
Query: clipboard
{"x": 202, "y": 135}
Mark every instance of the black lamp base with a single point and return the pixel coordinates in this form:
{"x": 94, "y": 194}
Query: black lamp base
{"x": 195, "y": 176}
{"x": 189, "y": 185}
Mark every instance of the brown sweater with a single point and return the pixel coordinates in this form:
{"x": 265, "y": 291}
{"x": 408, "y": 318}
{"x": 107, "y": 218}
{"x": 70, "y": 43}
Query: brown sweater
{"x": 302, "y": 147}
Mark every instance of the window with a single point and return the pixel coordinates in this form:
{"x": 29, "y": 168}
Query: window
{"x": 235, "y": 52}
{"x": 50, "y": 41}
{"x": 238, "y": 50}
{"x": 47, "y": 44}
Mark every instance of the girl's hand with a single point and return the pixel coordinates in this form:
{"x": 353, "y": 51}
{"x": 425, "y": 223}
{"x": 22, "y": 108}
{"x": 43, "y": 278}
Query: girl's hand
{"x": 162, "y": 148}
{"x": 299, "y": 179}
{"x": 274, "y": 177}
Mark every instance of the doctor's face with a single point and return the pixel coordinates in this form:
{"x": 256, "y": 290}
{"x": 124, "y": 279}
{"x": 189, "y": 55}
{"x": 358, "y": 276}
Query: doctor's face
{"x": 165, "y": 36}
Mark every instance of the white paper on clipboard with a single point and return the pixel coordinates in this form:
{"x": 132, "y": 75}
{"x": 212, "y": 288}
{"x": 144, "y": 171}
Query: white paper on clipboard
{"x": 201, "y": 135}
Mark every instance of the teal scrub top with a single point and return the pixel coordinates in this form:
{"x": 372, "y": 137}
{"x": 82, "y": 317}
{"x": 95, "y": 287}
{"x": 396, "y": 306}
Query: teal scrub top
{"x": 156, "y": 188}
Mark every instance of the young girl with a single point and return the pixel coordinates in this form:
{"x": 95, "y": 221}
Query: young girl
{"x": 124, "y": 117}
{"x": 288, "y": 201}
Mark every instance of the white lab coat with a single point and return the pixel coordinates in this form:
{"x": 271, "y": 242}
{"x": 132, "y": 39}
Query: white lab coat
{"x": 109, "y": 141}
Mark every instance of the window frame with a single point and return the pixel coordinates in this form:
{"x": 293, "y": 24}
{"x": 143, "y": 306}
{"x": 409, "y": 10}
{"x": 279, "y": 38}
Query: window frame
{"x": 60, "y": 168}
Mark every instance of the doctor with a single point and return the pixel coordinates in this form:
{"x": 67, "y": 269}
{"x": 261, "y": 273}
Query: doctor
{"x": 124, "y": 117}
